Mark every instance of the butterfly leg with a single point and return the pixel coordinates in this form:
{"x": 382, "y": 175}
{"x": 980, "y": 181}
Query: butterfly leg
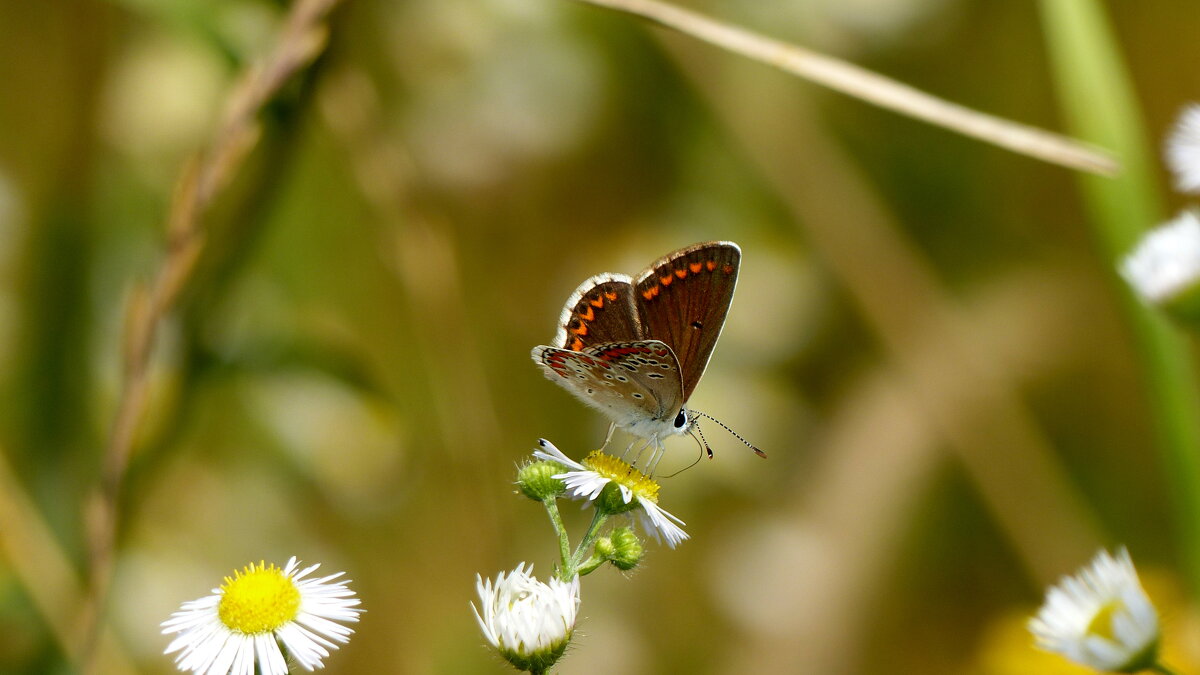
{"x": 659, "y": 451}
{"x": 641, "y": 451}
{"x": 612, "y": 427}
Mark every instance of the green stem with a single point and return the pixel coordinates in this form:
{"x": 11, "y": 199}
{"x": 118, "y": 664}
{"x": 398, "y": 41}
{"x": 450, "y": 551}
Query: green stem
{"x": 1162, "y": 669}
{"x": 286, "y": 659}
{"x": 590, "y": 565}
{"x": 598, "y": 519}
{"x": 1098, "y": 99}
{"x": 564, "y": 544}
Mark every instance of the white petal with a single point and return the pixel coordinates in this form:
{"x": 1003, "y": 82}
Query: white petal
{"x": 583, "y": 484}
{"x": 1166, "y": 260}
{"x": 523, "y": 615}
{"x": 1183, "y": 149}
{"x": 549, "y": 452}
{"x": 658, "y": 523}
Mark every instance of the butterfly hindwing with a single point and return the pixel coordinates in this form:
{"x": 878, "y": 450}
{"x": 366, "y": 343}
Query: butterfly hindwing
{"x": 688, "y": 321}
{"x": 628, "y": 381}
{"x": 600, "y": 311}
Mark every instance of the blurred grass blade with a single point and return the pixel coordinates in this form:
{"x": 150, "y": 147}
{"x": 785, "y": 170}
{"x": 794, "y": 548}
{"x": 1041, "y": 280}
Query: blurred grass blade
{"x": 1098, "y": 102}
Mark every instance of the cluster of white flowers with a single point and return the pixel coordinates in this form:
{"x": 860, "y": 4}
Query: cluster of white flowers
{"x": 1164, "y": 268}
{"x": 530, "y": 623}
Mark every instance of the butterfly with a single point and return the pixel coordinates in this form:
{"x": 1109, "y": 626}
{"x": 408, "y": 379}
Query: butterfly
{"x": 635, "y": 348}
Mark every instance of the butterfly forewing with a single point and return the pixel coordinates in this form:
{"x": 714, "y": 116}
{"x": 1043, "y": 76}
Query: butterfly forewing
{"x": 600, "y": 311}
{"x": 629, "y": 381}
{"x": 682, "y": 300}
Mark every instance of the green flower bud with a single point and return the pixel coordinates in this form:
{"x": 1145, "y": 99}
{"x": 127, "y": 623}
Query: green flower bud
{"x": 627, "y": 549}
{"x": 612, "y": 502}
{"x": 604, "y": 549}
{"x": 536, "y": 480}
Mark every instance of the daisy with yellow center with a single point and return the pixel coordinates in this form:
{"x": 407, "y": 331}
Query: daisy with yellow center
{"x": 1101, "y": 618}
{"x": 258, "y": 614}
{"x": 638, "y": 492}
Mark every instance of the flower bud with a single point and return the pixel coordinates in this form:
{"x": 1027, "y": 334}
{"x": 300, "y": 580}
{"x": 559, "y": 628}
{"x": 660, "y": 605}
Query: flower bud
{"x": 536, "y": 480}
{"x": 614, "y": 500}
{"x": 627, "y": 549}
{"x": 529, "y": 622}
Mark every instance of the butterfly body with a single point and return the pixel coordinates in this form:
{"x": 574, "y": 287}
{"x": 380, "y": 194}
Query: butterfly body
{"x": 635, "y": 348}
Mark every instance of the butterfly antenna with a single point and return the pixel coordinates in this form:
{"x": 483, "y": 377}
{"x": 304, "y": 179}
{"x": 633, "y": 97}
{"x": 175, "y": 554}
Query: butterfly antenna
{"x": 733, "y": 433}
{"x": 703, "y": 441}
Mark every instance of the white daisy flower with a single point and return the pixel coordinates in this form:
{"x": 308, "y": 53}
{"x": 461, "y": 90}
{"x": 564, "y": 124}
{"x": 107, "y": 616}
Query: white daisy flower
{"x": 1183, "y": 149}
{"x": 1166, "y": 262}
{"x": 1100, "y": 618}
{"x": 527, "y": 621}
{"x": 589, "y": 478}
{"x": 244, "y": 622}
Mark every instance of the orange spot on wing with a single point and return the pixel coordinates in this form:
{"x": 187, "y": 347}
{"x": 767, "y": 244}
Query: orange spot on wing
{"x": 650, "y": 292}
{"x": 711, "y": 265}
{"x": 598, "y": 302}
{"x": 681, "y": 273}
{"x": 696, "y": 267}
{"x": 576, "y": 345}
{"x": 727, "y": 269}
{"x": 589, "y": 316}
{"x": 666, "y": 281}
{"x": 610, "y": 295}
{"x": 582, "y": 330}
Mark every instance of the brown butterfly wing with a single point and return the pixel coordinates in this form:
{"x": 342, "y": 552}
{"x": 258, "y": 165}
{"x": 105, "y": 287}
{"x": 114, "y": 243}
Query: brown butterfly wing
{"x": 682, "y": 299}
{"x": 599, "y": 312}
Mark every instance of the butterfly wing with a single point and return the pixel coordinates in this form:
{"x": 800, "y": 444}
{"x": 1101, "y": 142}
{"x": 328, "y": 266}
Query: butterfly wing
{"x": 600, "y": 311}
{"x": 682, "y": 300}
{"x": 637, "y": 384}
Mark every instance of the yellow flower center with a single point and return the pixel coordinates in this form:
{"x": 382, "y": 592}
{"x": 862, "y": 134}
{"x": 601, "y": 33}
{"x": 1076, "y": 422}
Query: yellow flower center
{"x": 622, "y": 472}
{"x": 1101, "y": 624}
{"x": 259, "y": 599}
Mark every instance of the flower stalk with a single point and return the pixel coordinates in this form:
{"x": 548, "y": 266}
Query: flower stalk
{"x": 530, "y": 623}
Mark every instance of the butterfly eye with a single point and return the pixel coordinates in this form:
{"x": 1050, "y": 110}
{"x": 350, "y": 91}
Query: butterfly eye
{"x": 681, "y": 419}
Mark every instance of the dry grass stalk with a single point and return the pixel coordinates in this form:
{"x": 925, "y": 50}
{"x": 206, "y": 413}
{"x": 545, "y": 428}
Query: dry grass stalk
{"x": 301, "y": 40}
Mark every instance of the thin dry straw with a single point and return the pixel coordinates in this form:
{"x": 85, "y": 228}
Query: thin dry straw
{"x": 302, "y": 38}
{"x": 874, "y": 88}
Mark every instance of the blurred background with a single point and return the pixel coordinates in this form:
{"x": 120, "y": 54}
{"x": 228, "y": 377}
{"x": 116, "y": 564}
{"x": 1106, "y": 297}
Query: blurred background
{"x": 926, "y": 338}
